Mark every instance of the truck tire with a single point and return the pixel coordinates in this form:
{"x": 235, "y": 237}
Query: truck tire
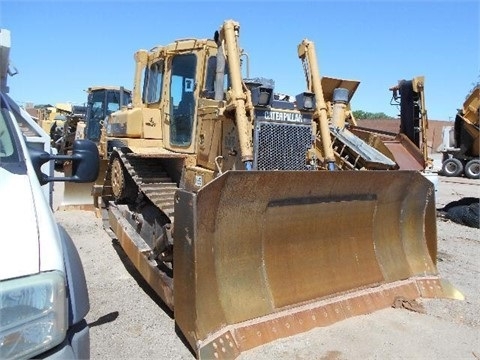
{"x": 472, "y": 169}
{"x": 452, "y": 167}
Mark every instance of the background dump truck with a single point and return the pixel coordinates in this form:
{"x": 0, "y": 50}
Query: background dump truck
{"x": 242, "y": 208}
{"x": 460, "y": 142}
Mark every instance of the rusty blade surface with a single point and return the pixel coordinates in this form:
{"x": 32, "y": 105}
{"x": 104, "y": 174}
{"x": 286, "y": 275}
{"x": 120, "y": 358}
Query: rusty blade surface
{"x": 251, "y": 244}
{"x": 231, "y": 340}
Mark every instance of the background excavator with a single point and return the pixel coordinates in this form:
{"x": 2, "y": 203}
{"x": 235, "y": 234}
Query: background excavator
{"x": 251, "y": 213}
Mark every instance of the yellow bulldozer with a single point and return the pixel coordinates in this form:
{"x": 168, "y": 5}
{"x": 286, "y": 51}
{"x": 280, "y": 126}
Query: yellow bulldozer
{"x": 251, "y": 213}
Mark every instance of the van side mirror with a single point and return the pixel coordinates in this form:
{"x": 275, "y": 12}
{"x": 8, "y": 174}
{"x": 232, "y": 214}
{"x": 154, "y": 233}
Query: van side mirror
{"x": 85, "y": 162}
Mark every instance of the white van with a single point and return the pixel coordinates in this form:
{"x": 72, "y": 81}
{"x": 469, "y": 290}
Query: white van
{"x": 43, "y": 292}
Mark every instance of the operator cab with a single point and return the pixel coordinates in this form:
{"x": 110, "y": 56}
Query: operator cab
{"x": 101, "y": 103}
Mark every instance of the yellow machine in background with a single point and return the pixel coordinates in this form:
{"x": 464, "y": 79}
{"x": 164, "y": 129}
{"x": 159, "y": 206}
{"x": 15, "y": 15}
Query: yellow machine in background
{"x": 48, "y": 115}
{"x": 408, "y": 146}
{"x": 460, "y": 143}
{"x": 101, "y": 102}
{"x": 229, "y": 200}
{"x": 410, "y": 96}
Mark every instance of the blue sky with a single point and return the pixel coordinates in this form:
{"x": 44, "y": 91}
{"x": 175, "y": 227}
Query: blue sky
{"x": 60, "y": 48}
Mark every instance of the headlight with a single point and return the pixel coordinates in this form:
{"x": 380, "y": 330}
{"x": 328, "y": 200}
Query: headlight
{"x": 33, "y": 314}
{"x": 305, "y": 101}
{"x": 261, "y": 96}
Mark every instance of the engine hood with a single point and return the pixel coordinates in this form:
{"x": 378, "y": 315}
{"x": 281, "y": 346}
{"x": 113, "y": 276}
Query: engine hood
{"x": 19, "y": 235}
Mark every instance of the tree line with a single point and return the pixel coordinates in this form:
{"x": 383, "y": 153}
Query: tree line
{"x": 360, "y": 114}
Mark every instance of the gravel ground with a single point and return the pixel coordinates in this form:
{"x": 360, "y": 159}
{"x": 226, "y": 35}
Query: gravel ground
{"x": 128, "y": 321}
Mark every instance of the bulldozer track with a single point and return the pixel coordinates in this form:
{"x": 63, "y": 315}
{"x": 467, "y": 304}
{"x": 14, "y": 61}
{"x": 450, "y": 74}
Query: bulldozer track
{"x": 152, "y": 180}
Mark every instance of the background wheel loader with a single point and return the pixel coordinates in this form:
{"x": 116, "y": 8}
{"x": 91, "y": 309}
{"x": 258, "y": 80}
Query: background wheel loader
{"x": 231, "y": 201}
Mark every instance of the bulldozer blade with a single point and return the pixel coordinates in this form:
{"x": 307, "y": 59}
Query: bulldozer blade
{"x": 261, "y": 255}
{"x": 82, "y": 196}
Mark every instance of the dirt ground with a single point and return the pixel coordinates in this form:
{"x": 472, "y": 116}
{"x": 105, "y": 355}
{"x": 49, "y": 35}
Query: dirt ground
{"x": 128, "y": 321}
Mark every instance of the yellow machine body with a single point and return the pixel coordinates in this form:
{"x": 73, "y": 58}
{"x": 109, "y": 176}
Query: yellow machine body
{"x": 240, "y": 210}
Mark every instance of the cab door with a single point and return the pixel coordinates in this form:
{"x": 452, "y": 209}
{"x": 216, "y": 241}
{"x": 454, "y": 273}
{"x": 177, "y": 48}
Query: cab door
{"x": 182, "y": 103}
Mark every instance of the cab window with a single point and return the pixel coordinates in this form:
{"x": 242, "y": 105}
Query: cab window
{"x": 152, "y": 82}
{"x": 114, "y": 100}
{"x": 182, "y": 101}
{"x": 210, "y": 78}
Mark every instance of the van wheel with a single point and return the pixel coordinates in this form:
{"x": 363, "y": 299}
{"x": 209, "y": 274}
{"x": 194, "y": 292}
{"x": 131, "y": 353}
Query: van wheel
{"x": 452, "y": 167}
{"x": 472, "y": 169}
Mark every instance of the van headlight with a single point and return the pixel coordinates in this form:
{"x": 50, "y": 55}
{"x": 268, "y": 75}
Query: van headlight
{"x": 33, "y": 314}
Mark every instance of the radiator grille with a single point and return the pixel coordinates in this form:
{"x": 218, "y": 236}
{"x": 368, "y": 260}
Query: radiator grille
{"x": 281, "y": 146}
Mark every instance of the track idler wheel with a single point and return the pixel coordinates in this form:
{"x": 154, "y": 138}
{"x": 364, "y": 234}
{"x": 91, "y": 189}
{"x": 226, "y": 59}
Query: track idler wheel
{"x": 123, "y": 187}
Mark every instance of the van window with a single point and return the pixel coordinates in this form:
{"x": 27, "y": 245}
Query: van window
{"x": 8, "y": 152}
